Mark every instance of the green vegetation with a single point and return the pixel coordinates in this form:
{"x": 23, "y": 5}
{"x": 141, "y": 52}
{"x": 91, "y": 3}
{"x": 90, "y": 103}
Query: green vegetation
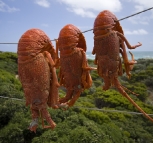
{"x": 81, "y": 123}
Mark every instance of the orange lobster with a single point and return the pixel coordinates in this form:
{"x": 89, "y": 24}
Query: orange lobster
{"x": 74, "y": 70}
{"x": 117, "y": 27}
{"x": 108, "y": 44}
{"x": 37, "y": 73}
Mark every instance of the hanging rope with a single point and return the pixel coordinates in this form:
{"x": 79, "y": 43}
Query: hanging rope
{"x": 92, "y": 29}
{"x": 104, "y": 110}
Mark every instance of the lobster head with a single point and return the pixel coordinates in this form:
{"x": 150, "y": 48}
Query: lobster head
{"x": 33, "y": 42}
{"x": 107, "y": 19}
{"x": 70, "y": 37}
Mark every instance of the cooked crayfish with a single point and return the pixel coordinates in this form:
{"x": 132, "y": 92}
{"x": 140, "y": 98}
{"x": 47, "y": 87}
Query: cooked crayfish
{"x": 108, "y": 44}
{"x": 128, "y": 65}
{"x": 37, "y": 73}
{"x": 74, "y": 70}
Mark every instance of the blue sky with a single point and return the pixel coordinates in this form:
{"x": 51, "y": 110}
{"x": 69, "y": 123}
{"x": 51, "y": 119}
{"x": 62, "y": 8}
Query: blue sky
{"x": 18, "y": 16}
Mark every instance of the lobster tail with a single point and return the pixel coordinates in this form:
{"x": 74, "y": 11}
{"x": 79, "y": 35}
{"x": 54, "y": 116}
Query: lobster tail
{"x": 115, "y": 24}
{"x": 70, "y": 37}
{"x": 33, "y": 42}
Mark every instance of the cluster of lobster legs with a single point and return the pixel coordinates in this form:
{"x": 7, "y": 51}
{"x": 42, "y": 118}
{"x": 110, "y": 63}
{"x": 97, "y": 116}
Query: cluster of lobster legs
{"x": 71, "y": 96}
{"x": 43, "y": 112}
{"x": 122, "y": 91}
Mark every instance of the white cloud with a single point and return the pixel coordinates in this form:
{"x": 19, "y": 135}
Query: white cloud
{"x": 5, "y": 8}
{"x": 136, "y": 32}
{"x": 144, "y": 3}
{"x": 87, "y": 8}
{"x": 139, "y": 8}
{"x": 82, "y": 12}
{"x": 140, "y": 19}
{"x": 141, "y": 5}
{"x": 43, "y": 3}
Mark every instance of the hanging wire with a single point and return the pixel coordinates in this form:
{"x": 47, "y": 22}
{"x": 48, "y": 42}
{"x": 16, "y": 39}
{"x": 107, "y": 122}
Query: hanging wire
{"x": 97, "y": 109}
{"x": 135, "y": 14}
{"x": 92, "y": 29}
{"x": 8, "y": 43}
{"x": 12, "y": 98}
{"x": 125, "y": 17}
{"x": 117, "y": 111}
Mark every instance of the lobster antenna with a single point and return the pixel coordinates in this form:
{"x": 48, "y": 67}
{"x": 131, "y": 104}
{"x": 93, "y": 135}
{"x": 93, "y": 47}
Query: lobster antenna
{"x": 129, "y": 90}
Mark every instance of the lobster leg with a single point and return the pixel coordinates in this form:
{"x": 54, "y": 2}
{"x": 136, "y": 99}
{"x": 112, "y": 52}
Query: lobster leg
{"x": 107, "y": 82}
{"x": 70, "y": 95}
{"x": 45, "y": 115}
{"x": 67, "y": 97}
{"x": 132, "y": 62}
{"x": 35, "y": 116}
{"x": 126, "y": 41}
{"x": 74, "y": 98}
{"x": 37, "y": 109}
{"x": 128, "y": 64}
{"x": 121, "y": 90}
{"x": 86, "y": 78}
{"x": 53, "y": 100}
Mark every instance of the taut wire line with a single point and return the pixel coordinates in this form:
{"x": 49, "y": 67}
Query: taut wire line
{"x": 135, "y": 14}
{"x": 8, "y": 43}
{"x": 92, "y": 29}
{"x": 117, "y": 111}
{"x": 12, "y": 98}
{"x": 80, "y": 107}
{"x": 125, "y": 17}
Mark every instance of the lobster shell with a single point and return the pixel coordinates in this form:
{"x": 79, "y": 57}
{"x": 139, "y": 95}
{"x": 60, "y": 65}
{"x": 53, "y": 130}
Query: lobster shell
{"x": 73, "y": 75}
{"x": 34, "y": 70}
{"x": 108, "y": 44}
{"x": 70, "y": 36}
{"x": 36, "y": 56}
{"x": 116, "y": 23}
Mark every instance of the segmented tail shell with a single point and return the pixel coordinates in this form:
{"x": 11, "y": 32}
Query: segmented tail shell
{"x": 33, "y": 42}
{"x": 104, "y": 20}
{"x": 70, "y": 37}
